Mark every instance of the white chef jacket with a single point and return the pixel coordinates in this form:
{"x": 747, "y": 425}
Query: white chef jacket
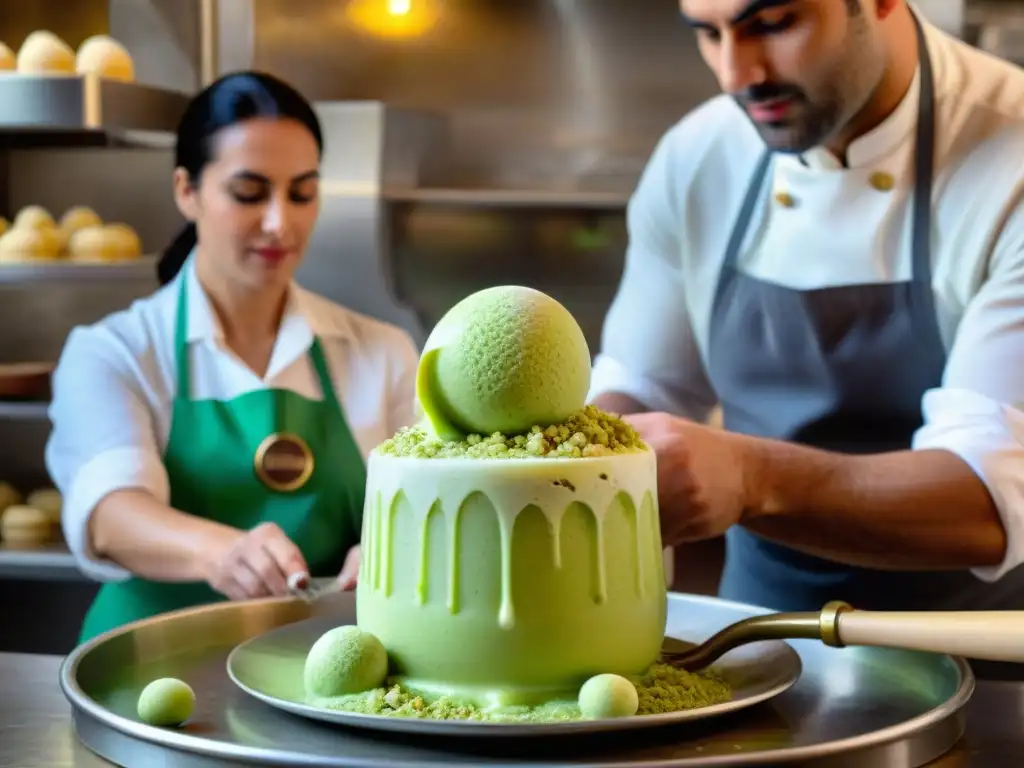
{"x": 842, "y": 229}
{"x": 115, "y": 383}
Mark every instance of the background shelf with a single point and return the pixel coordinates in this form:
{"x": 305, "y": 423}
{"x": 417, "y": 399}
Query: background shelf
{"x": 57, "y": 271}
{"x": 43, "y": 110}
{"x": 11, "y": 410}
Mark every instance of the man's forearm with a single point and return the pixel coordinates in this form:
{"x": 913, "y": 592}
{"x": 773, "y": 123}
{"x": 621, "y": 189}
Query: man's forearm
{"x": 910, "y": 510}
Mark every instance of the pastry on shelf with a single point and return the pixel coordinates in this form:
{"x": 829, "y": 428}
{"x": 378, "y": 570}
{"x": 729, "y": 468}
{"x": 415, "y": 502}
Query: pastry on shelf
{"x": 27, "y": 244}
{"x": 104, "y": 56}
{"x": 43, "y": 53}
{"x": 25, "y": 526}
{"x": 8, "y": 59}
{"x": 34, "y": 217}
{"x": 78, "y": 217}
{"x": 9, "y": 496}
{"x": 107, "y": 243}
{"x": 49, "y": 502}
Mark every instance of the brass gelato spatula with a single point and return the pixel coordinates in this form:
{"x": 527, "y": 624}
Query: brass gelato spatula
{"x": 988, "y": 635}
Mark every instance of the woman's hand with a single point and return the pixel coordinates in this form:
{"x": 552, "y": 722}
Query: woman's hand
{"x": 243, "y": 565}
{"x": 349, "y": 576}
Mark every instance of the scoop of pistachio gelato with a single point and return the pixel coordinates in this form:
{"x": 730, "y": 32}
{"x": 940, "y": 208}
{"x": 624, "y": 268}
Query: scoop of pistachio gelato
{"x": 503, "y": 360}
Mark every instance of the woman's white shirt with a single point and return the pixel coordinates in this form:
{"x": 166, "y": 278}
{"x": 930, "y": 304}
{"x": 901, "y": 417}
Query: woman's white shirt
{"x": 115, "y": 383}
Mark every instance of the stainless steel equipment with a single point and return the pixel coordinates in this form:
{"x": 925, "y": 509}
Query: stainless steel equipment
{"x": 552, "y": 108}
{"x": 369, "y": 146}
{"x": 851, "y": 708}
{"x": 443, "y": 248}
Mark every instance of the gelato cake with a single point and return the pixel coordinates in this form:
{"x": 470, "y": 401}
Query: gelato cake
{"x": 512, "y": 580}
{"x": 511, "y": 563}
{"x": 511, "y": 547}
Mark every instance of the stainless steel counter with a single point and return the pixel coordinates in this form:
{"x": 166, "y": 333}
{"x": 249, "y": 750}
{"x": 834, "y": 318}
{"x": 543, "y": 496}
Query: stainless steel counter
{"x": 36, "y": 731}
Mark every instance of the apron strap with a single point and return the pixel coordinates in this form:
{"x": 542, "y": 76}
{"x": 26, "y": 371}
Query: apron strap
{"x": 739, "y": 230}
{"x": 181, "y": 341}
{"x": 316, "y": 354}
{"x": 181, "y": 353}
{"x": 924, "y": 165}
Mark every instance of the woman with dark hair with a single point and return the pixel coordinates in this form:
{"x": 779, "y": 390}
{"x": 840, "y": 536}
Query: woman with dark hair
{"x": 210, "y": 440}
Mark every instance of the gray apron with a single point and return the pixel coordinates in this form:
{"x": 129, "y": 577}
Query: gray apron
{"x": 843, "y": 369}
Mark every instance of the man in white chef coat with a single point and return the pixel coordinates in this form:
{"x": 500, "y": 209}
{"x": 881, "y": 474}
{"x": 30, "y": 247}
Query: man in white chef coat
{"x": 833, "y": 251}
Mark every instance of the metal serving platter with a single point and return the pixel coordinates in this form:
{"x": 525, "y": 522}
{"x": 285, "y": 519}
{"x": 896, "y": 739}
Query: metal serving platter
{"x": 269, "y": 668}
{"x": 850, "y": 708}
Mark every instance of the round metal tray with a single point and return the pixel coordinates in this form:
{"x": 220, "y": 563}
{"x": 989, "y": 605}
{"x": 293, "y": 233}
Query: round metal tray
{"x": 851, "y": 707}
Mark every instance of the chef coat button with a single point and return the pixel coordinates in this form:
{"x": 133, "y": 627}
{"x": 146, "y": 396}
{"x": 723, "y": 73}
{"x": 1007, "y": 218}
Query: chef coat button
{"x": 882, "y": 181}
{"x": 785, "y": 199}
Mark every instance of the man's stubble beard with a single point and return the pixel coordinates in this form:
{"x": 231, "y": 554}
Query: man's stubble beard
{"x": 837, "y": 100}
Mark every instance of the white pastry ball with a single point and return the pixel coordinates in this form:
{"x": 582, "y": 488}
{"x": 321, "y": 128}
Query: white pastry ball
{"x": 43, "y": 53}
{"x": 79, "y": 217}
{"x": 102, "y": 55}
{"x": 34, "y": 217}
{"x": 48, "y": 500}
{"x": 30, "y": 244}
{"x": 9, "y": 496}
{"x": 111, "y": 242}
{"x": 8, "y": 59}
{"x": 25, "y": 525}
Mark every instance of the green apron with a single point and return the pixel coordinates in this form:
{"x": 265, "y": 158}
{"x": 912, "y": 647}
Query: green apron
{"x": 212, "y": 468}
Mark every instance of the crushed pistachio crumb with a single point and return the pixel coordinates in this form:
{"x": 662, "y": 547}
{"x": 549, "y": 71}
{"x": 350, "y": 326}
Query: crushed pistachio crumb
{"x": 661, "y": 689}
{"x": 589, "y": 433}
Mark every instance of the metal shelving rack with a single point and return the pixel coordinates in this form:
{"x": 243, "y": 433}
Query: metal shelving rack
{"x": 57, "y": 112}
{"x": 62, "y": 109}
{"x": 75, "y": 272}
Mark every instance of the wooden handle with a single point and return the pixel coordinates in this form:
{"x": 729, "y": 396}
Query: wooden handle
{"x": 989, "y": 635}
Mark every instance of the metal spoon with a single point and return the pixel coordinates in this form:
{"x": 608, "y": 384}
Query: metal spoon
{"x": 301, "y": 585}
{"x": 989, "y": 635}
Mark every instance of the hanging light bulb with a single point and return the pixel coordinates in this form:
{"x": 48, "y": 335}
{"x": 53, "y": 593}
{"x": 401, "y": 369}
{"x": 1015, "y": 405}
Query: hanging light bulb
{"x": 393, "y": 19}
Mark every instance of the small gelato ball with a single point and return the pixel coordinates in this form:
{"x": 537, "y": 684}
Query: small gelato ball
{"x": 345, "y": 660}
{"x": 166, "y": 702}
{"x": 104, "y": 56}
{"x": 504, "y": 360}
{"x": 43, "y": 53}
{"x": 605, "y": 696}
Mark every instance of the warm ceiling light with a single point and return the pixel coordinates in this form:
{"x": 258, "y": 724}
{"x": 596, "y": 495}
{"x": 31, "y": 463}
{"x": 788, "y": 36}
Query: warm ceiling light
{"x": 393, "y": 19}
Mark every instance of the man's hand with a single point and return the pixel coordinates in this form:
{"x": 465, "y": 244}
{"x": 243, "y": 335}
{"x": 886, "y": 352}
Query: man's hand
{"x": 349, "y": 576}
{"x": 903, "y": 510}
{"x": 703, "y": 483}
